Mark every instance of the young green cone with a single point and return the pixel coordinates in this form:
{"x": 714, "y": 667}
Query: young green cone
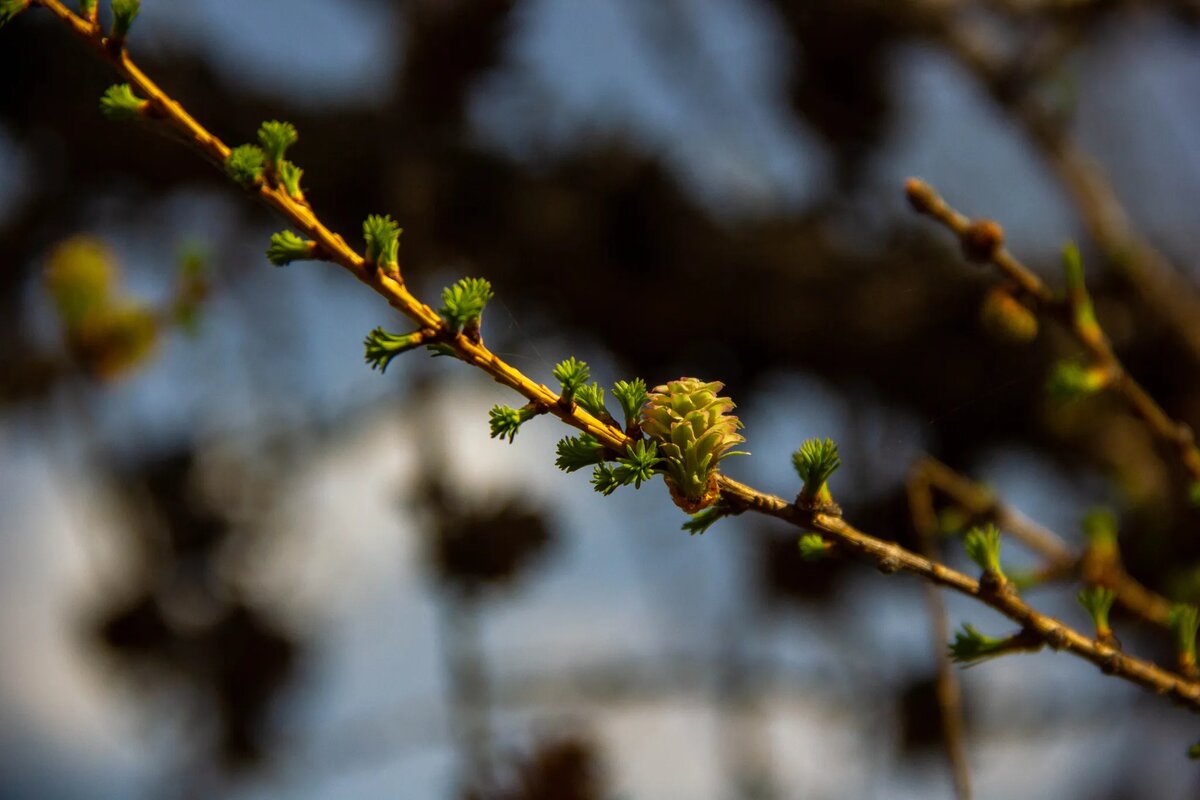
{"x": 695, "y": 431}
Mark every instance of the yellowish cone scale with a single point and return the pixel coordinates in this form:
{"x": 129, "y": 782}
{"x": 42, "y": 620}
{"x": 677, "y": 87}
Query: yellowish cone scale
{"x": 694, "y": 429}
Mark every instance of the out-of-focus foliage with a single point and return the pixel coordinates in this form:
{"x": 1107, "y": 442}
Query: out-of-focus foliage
{"x": 108, "y": 333}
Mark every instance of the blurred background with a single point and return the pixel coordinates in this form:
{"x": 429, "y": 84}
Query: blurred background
{"x": 237, "y": 563}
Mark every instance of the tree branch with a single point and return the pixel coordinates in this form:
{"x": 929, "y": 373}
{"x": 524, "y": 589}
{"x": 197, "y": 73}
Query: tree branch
{"x": 1177, "y": 435}
{"x": 888, "y": 557}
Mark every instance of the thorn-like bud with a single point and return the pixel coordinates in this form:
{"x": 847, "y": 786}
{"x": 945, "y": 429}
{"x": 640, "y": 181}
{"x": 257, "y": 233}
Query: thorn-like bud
{"x": 124, "y": 13}
{"x": 981, "y": 240}
{"x": 1185, "y": 621}
{"x": 276, "y": 137}
{"x": 571, "y": 375}
{"x": 382, "y": 236}
{"x": 380, "y": 347}
{"x": 1008, "y": 318}
{"x": 815, "y": 462}
{"x": 1098, "y": 601}
{"x": 983, "y": 547}
{"x": 813, "y": 547}
{"x": 120, "y": 103}
{"x": 88, "y": 9}
{"x": 245, "y": 164}
{"x": 463, "y": 304}
{"x": 287, "y": 247}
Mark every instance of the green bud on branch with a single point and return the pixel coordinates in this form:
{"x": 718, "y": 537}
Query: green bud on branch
{"x": 815, "y": 462}
{"x": 381, "y": 347}
{"x": 604, "y": 479}
{"x": 124, "y": 13}
{"x": 120, "y": 103}
{"x": 1072, "y": 380}
{"x": 1100, "y": 529}
{"x": 1184, "y": 621}
{"x": 463, "y": 304}
{"x": 1098, "y": 601}
{"x": 591, "y": 397}
{"x": 382, "y": 236}
{"x": 89, "y": 8}
{"x": 506, "y": 422}
{"x": 701, "y": 521}
{"x": 971, "y": 647}
{"x": 289, "y": 178}
{"x": 813, "y": 547}
{"x": 287, "y": 247}
{"x": 245, "y": 164}
{"x": 983, "y": 547}
{"x": 951, "y": 521}
{"x": 1083, "y": 316}
{"x": 639, "y": 463}
{"x": 632, "y": 396}
{"x": 276, "y": 137}
{"x": 571, "y": 375}
{"x": 577, "y": 452}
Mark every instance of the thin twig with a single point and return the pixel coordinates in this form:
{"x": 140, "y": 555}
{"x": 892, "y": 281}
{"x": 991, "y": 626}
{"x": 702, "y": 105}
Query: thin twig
{"x": 949, "y": 694}
{"x": 1161, "y": 286}
{"x": 1177, "y": 435}
{"x": 1061, "y": 559}
{"x": 890, "y": 557}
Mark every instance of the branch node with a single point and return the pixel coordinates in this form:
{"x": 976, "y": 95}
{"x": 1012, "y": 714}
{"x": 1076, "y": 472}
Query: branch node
{"x": 981, "y": 240}
{"x": 888, "y": 565}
